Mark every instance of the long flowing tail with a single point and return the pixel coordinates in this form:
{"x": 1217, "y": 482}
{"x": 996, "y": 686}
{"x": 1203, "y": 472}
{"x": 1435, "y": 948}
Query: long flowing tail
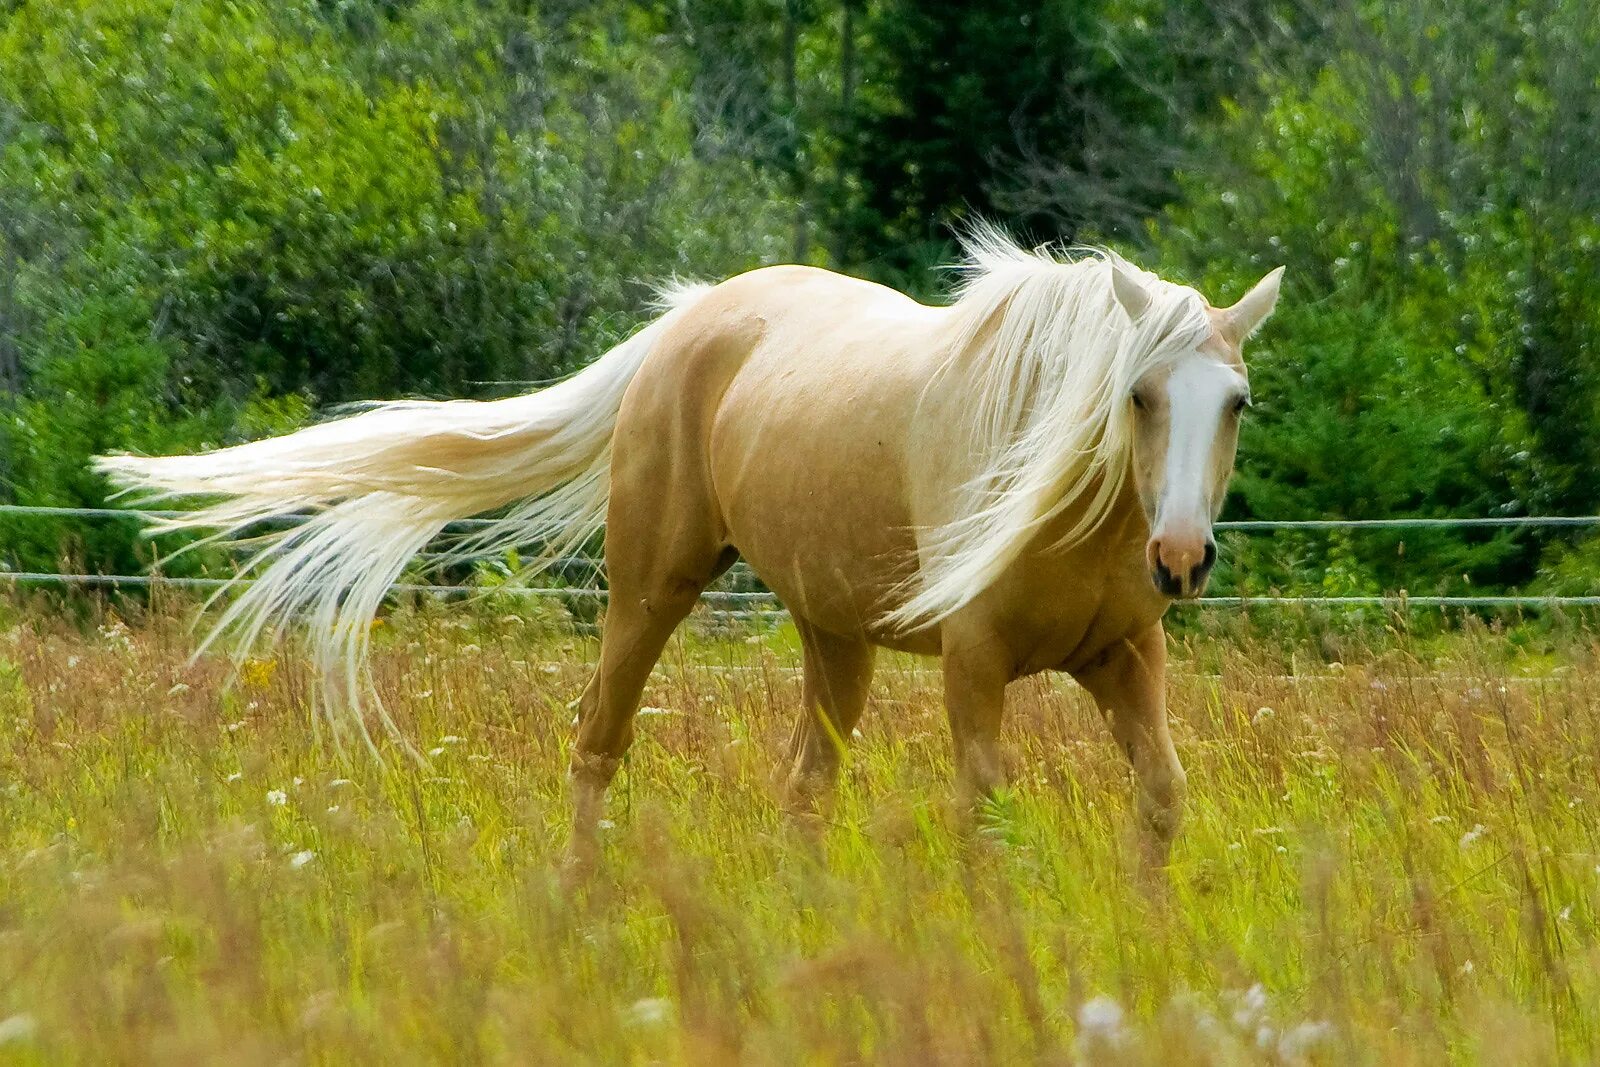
{"x": 379, "y": 486}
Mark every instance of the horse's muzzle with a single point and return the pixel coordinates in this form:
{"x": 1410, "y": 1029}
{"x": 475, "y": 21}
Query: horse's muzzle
{"x": 1183, "y": 584}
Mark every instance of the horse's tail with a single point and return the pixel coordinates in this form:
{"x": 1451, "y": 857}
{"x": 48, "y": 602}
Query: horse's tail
{"x": 380, "y": 485}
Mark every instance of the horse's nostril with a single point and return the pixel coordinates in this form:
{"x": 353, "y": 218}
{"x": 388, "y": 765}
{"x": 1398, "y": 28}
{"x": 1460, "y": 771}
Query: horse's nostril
{"x": 1165, "y": 581}
{"x": 1210, "y": 557}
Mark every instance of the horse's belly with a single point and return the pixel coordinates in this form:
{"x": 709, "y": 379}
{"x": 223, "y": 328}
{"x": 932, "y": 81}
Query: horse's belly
{"x": 832, "y": 546}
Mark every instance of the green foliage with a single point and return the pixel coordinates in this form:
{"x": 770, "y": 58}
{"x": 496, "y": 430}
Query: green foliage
{"x": 218, "y": 216}
{"x": 1013, "y": 108}
{"x": 217, "y": 203}
{"x": 1433, "y": 354}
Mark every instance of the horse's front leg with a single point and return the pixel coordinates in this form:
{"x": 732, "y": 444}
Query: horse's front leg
{"x": 976, "y": 670}
{"x": 1129, "y": 685}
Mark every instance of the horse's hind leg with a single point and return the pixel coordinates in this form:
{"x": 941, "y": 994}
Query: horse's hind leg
{"x": 838, "y": 673}
{"x": 658, "y": 560}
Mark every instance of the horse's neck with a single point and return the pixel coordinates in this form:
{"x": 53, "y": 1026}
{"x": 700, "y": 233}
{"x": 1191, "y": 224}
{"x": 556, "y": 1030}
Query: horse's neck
{"x": 1125, "y": 529}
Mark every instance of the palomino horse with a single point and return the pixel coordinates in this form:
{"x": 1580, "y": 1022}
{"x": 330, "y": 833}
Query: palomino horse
{"x": 1020, "y": 481}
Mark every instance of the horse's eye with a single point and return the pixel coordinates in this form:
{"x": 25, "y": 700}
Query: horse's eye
{"x": 1138, "y": 401}
{"x": 1240, "y": 404}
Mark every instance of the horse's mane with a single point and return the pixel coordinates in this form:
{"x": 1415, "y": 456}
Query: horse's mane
{"x": 1042, "y": 358}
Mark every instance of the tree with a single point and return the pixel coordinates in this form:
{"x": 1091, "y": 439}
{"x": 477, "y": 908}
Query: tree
{"x": 1004, "y": 110}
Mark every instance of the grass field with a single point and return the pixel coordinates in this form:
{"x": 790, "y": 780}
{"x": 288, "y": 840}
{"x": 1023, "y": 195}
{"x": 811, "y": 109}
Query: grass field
{"x": 1393, "y": 859}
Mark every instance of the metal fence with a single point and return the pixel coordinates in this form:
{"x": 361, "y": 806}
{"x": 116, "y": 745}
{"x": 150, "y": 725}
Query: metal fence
{"x": 765, "y": 603}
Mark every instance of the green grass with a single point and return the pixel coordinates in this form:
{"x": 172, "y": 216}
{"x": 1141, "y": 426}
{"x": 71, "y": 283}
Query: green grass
{"x": 1393, "y": 860}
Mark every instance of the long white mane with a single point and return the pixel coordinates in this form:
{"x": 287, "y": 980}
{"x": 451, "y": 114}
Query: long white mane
{"x": 1043, "y": 359}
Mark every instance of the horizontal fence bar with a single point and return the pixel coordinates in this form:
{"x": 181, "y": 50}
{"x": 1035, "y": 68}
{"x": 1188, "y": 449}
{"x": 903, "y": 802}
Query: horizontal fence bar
{"x": 54, "y": 511}
{"x": 1397, "y": 600}
{"x": 753, "y": 598}
{"x": 1400, "y": 601}
{"x": 1255, "y": 525}
{"x": 1245, "y": 525}
{"x": 713, "y": 596}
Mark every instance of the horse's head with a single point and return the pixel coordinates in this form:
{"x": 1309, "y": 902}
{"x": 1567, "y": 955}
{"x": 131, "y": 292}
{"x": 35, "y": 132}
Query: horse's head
{"x": 1186, "y": 427}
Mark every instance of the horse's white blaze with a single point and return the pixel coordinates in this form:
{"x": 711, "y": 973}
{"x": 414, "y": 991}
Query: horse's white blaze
{"x": 1201, "y": 394}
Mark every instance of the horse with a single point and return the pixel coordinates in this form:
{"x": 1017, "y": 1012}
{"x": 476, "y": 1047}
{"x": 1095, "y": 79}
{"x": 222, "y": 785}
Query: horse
{"x": 1021, "y": 480}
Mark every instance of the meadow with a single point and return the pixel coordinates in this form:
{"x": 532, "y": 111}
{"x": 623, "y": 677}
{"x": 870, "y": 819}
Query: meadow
{"x": 1390, "y": 856}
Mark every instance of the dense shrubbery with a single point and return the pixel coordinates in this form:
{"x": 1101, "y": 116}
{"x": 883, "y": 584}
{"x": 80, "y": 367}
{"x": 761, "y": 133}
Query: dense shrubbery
{"x": 1421, "y": 173}
{"x": 216, "y": 218}
{"x": 211, "y": 205}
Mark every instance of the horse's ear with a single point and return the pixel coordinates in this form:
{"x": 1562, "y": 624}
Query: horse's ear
{"x": 1129, "y": 291}
{"x": 1242, "y": 320}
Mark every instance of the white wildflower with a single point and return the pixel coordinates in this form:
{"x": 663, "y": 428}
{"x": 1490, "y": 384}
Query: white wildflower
{"x": 300, "y": 859}
{"x": 1471, "y": 837}
{"x": 650, "y": 1011}
{"x": 1249, "y": 1007}
{"x": 1100, "y": 1015}
{"x": 1299, "y": 1041}
{"x": 277, "y": 798}
{"x": 19, "y": 1027}
{"x": 1100, "y": 1025}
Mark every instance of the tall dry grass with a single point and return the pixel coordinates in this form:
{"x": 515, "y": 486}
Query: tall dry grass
{"x": 1389, "y": 859}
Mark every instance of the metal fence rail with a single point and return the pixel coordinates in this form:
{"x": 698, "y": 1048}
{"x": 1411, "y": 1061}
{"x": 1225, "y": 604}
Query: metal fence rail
{"x": 1246, "y": 525}
{"x": 765, "y": 603}
{"x": 714, "y": 596}
{"x": 717, "y": 596}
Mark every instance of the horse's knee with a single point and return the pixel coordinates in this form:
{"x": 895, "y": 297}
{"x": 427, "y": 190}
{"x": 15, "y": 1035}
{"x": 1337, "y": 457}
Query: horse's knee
{"x": 1161, "y": 801}
{"x": 592, "y": 770}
